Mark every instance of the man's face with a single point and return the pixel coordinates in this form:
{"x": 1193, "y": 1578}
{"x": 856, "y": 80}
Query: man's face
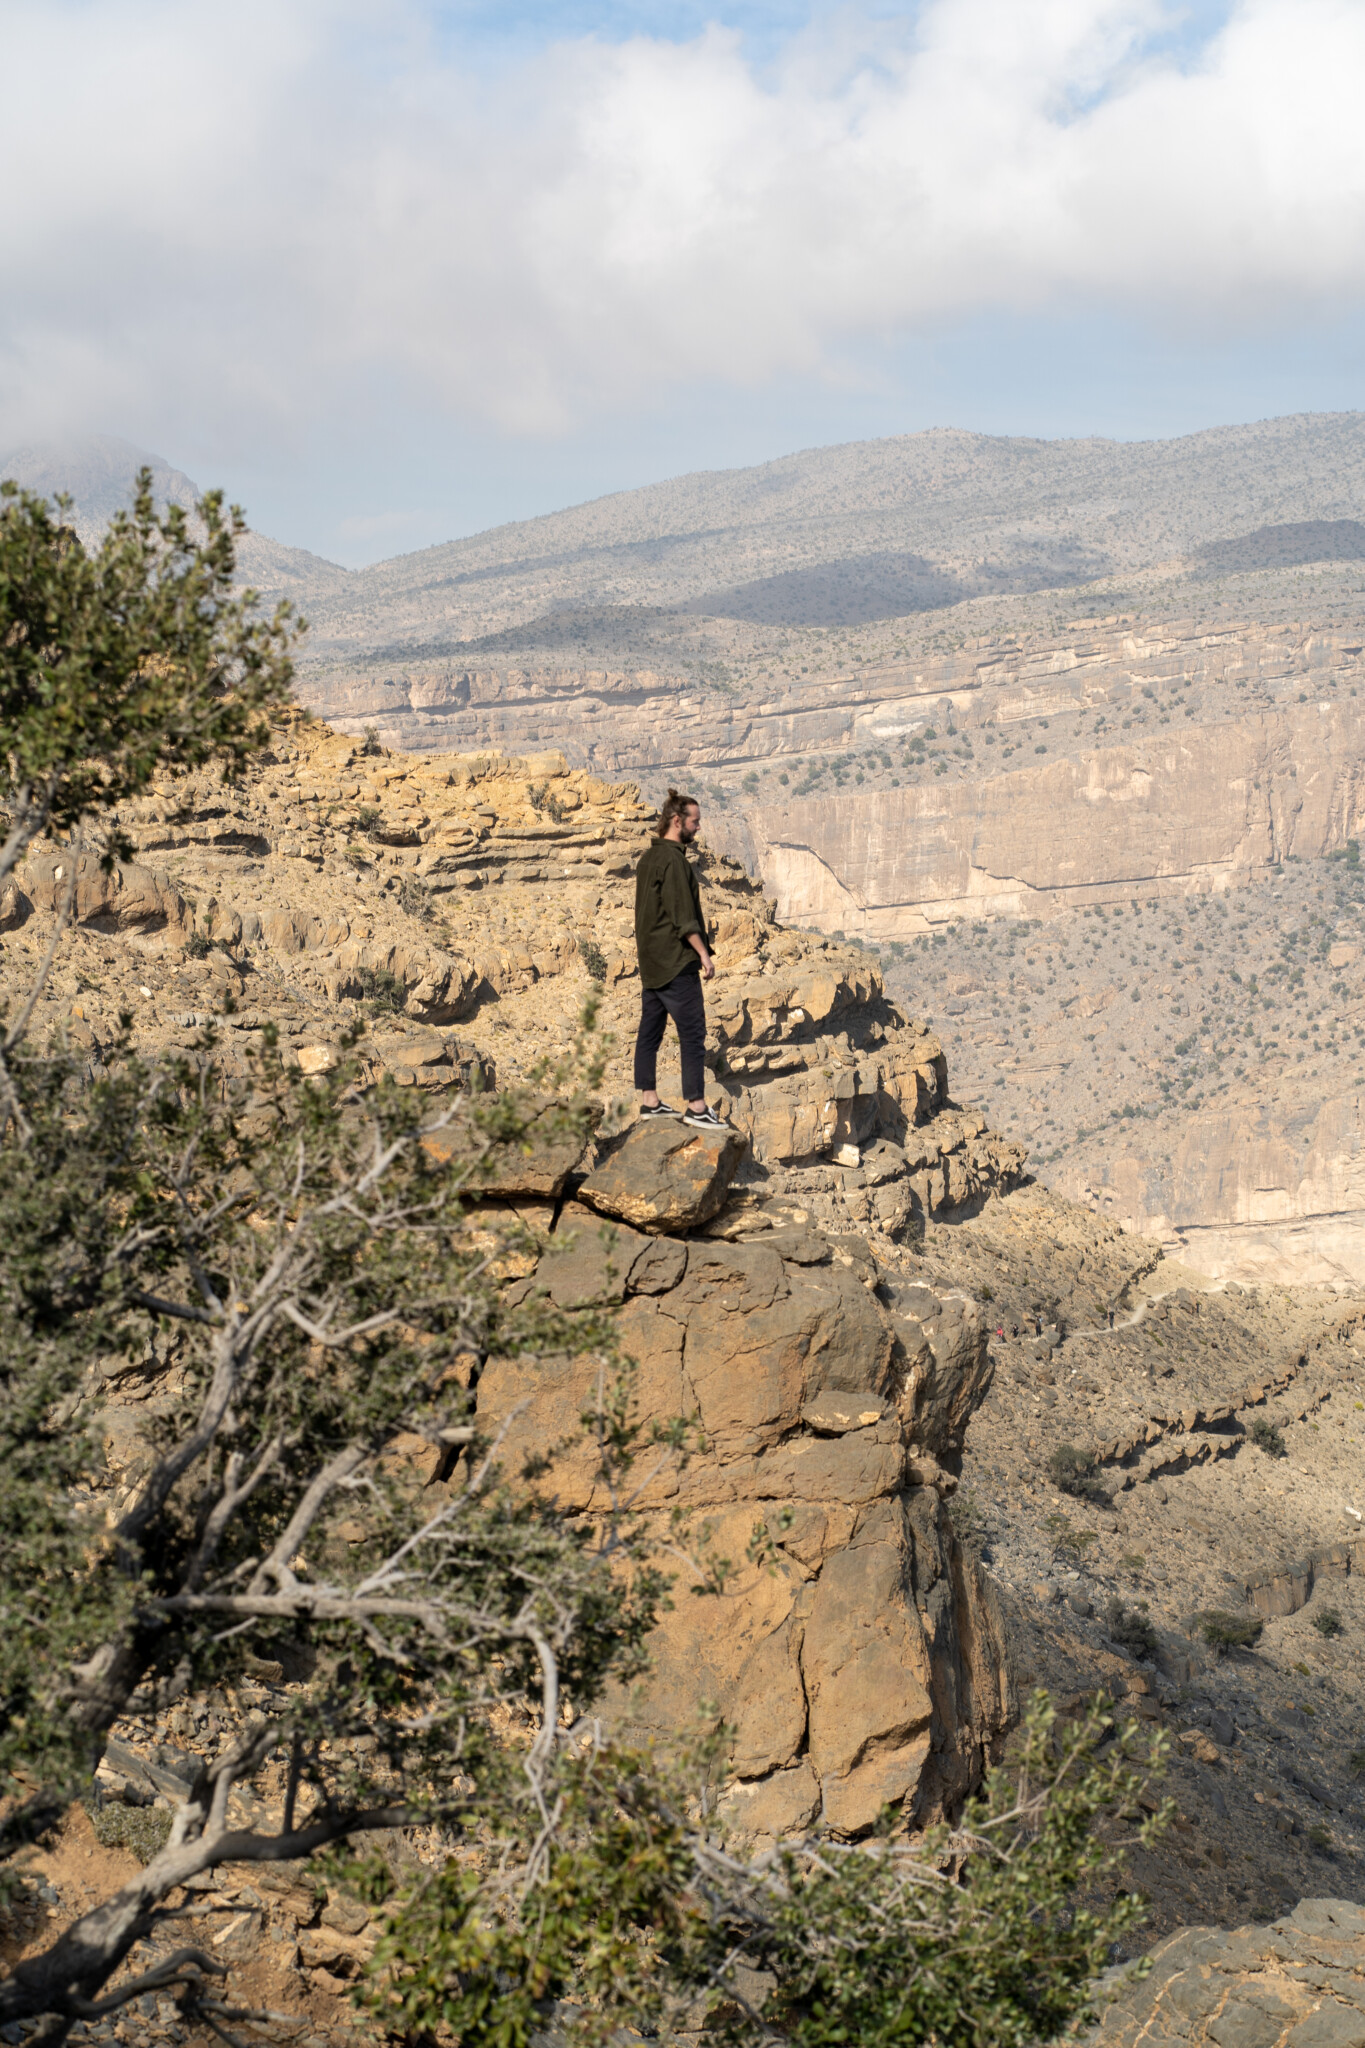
{"x": 689, "y": 824}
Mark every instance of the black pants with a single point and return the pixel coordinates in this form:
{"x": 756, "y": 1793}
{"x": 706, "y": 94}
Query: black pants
{"x": 680, "y": 999}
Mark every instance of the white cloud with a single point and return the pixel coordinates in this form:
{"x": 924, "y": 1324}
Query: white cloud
{"x": 250, "y": 217}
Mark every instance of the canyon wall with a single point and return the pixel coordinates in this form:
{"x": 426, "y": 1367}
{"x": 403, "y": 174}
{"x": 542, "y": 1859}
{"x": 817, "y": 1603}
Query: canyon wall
{"x": 638, "y": 721}
{"x": 1269, "y": 767}
{"x": 1196, "y": 809}
{"x": 1267, "y": 1190}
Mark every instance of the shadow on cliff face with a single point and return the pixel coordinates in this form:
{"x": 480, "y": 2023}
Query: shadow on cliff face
{"x": 869, "y": 587}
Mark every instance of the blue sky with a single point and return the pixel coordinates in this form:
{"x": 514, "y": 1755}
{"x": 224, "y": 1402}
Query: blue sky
{"x": 392, "y": 274}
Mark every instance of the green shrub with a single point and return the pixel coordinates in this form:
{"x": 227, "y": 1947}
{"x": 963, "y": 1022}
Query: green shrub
{"x": 1321, "y": 1838}
{"x": 355, "y": 855}
{"x": 541, "y": 800}
{"x": 415, "y": 897}
{"x": 968, "y": 1520}
{"x": 368, "y": 819}
{"x": 198, "y": 946}
{"x": 383, "y": 992}
{"x": 1131, "y": 1630}
{"x": 1328, "y": 1622}
{"x": 1074, "y": 1471}
{"x": 1072, "y": 1544}
{"x": 1266, "y": 1436}
{"x": 143, "y": 1829}
{"x": 1224, "y": 1631}
{"x": 593, "y": 958}
{"x": 870, "y": 1942}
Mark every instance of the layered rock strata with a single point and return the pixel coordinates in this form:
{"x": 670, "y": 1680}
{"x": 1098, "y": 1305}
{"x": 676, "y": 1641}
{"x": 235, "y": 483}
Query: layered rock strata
{"x": 632, "y": 721}
{"x": 1270, "y": 768}
{"x": 419, "y": 893}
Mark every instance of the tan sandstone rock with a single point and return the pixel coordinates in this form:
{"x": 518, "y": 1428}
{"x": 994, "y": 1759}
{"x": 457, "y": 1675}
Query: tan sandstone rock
{"x": 124, "y": 898}
{"x": 863, "y": 1664}
{"x": 664, "y": 1176}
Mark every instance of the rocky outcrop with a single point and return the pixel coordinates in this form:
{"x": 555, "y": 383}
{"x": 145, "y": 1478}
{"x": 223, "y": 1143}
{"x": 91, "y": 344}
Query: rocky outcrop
{"x": 14, "y": 907}
{"x": 857, "y": 1655}
{"x": 119, "y": 898}
{"x": 754, "y": 1271}
{"x": 536, "y": 1164}
{"x": 1299, "y": 1982}
{"x": 664, "y": 1176}
{"x": 413, "y": 893}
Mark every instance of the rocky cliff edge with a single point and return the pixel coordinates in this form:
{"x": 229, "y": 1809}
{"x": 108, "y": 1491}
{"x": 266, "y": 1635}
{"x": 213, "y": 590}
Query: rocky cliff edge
{"x": 760, "y": 1277}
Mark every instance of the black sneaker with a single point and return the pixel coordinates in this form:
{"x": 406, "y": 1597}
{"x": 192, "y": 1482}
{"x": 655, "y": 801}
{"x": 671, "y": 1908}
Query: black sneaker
{"x": 705, "y": 1119}
{"x": 649, "y": 1110}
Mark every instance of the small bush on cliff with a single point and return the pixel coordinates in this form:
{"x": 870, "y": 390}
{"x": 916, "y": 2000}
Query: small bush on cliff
{"x": 968, "y": 1517}
{"x": 1070, "y": 1544}
{"x": 1075, "y": 1472}
{"x": 1223, "y": 1631}
{"x": 1266, "y": 1436}
{"x": 415, "y": 897}
{"x": 383, "y": 994}
{"x": 1131, "y": 1629}
{"x": 143, "y": 1829}
{"x": 593, "y": 958}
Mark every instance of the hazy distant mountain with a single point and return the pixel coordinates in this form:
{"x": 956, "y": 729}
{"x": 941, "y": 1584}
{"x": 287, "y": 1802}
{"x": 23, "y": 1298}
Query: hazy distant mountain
{"x": 842, "y": 538}
{"x": 98, "y": 472}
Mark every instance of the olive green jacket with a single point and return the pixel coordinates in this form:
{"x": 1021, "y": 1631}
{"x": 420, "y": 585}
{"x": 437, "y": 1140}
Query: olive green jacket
{"x": 667, "y": 910}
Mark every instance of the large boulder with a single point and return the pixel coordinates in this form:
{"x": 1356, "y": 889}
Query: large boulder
{"x": 664, "y": 1176}
{"x": 1302, "y": 1980}
{"x": 439, "y": 988}
{"x": 859, "y": 1662}
{"x": 121, "y": 898}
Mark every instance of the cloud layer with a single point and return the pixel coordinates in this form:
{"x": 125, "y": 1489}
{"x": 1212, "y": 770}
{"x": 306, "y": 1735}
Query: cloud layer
{"x": 254, "y": 218}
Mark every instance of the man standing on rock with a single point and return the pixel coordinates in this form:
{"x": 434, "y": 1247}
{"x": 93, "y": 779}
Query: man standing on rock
{"x": 670, "y": 940}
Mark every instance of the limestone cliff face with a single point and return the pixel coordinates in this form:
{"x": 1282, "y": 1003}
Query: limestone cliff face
{"x": 1187, "y": 809}
{"x": 1196, "y": 810}
{"x": 1254, "y": 1191}
{"x": 635, "y": 721}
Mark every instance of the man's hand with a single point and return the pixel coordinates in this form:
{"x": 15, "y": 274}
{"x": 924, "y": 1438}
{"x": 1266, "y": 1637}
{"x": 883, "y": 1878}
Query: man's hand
{"x": 699, "y": 947}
